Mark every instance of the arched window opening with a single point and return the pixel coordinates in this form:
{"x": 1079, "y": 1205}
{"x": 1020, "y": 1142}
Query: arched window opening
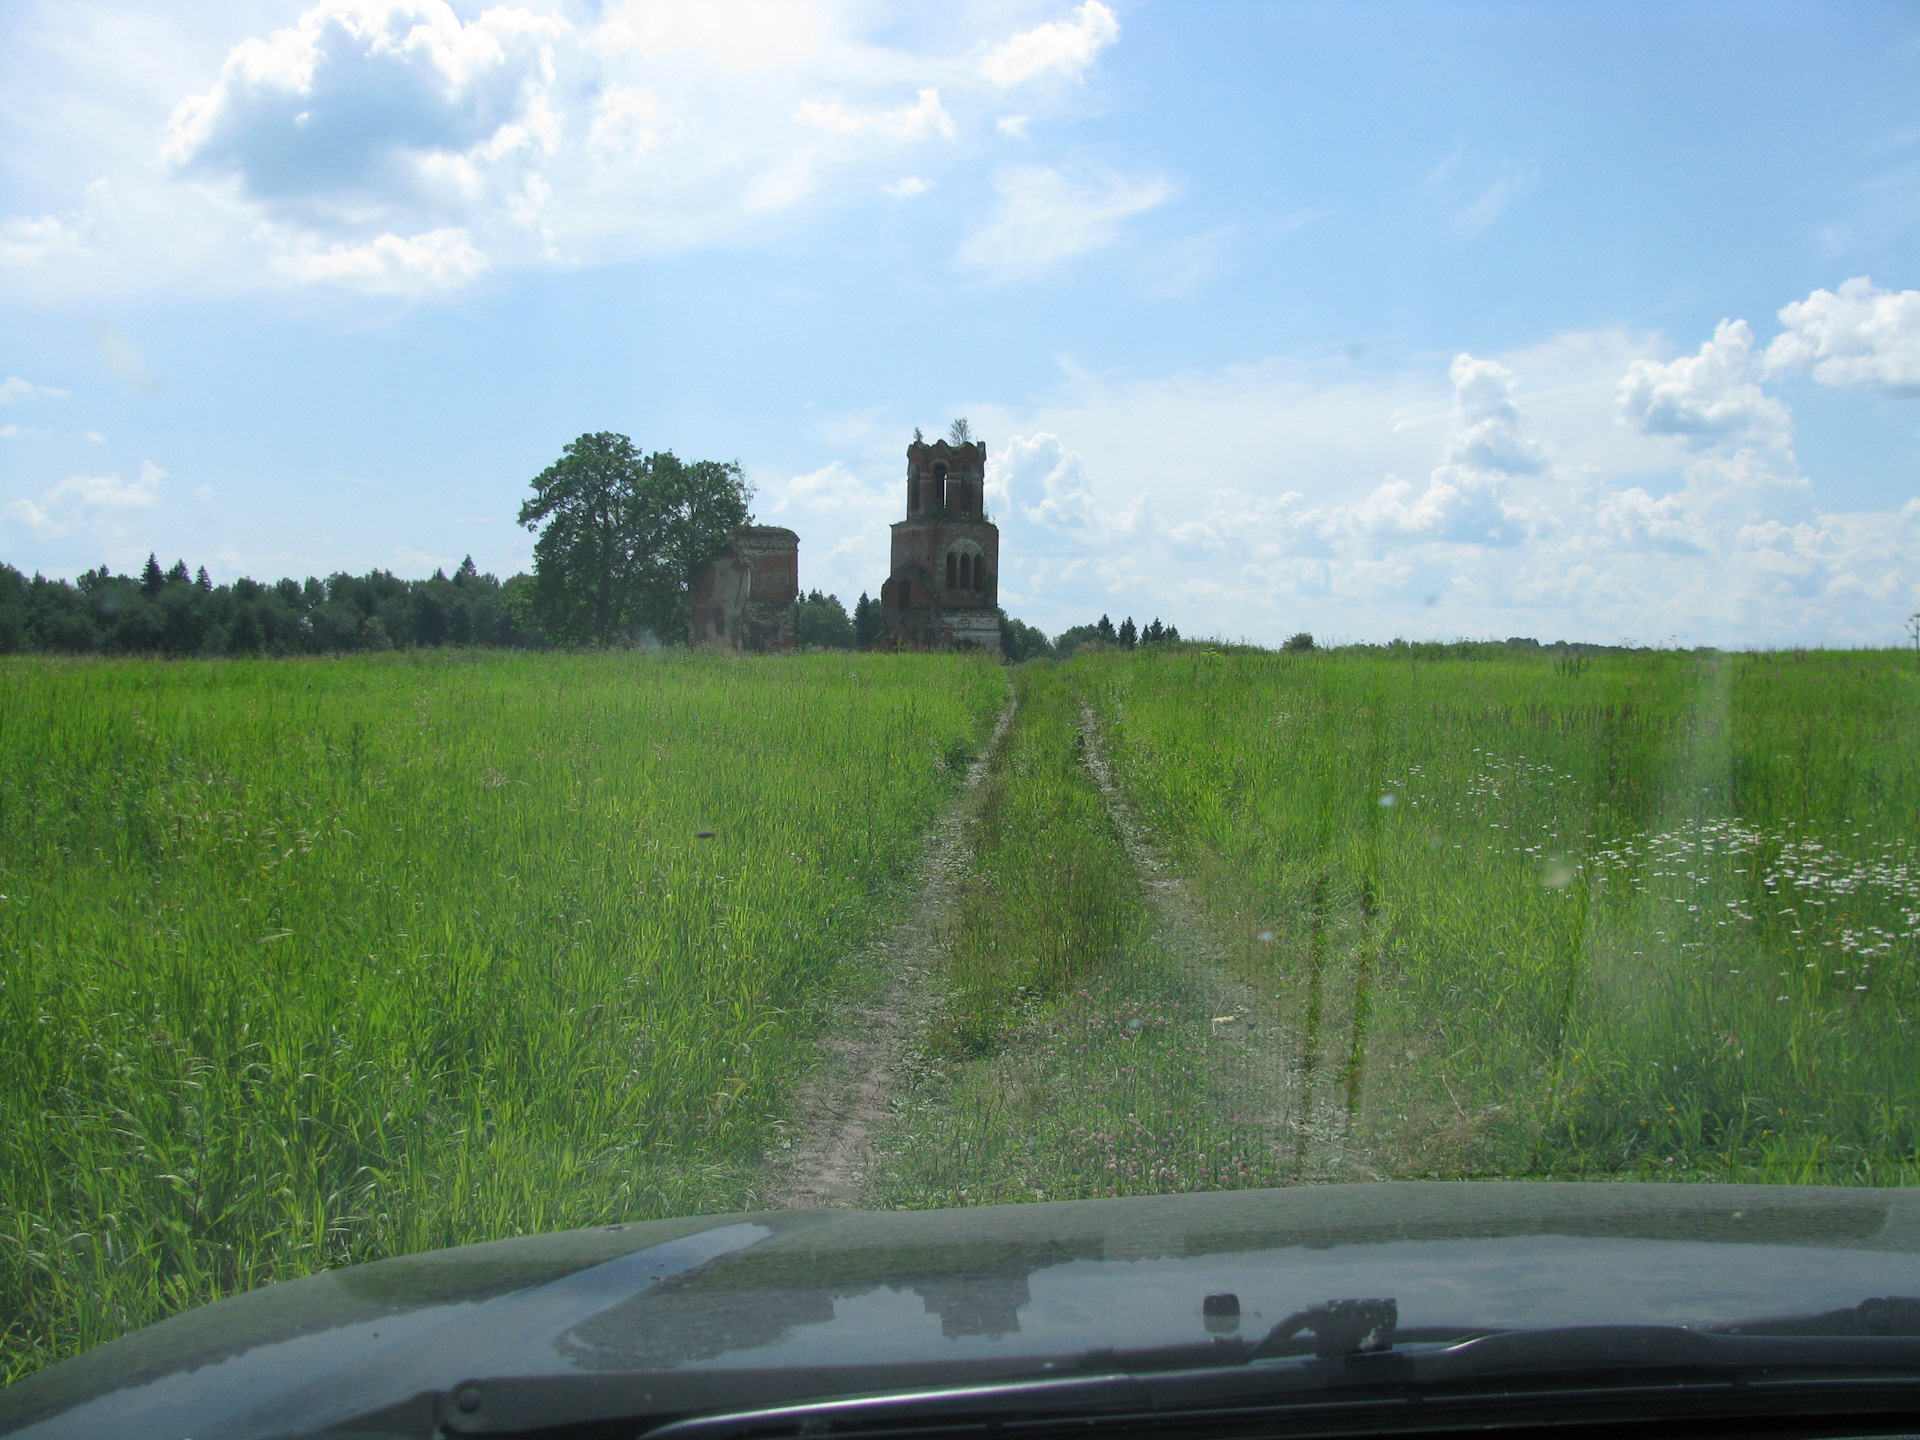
{"x": 966, "y": 573}
{"x": 939, "y": 486}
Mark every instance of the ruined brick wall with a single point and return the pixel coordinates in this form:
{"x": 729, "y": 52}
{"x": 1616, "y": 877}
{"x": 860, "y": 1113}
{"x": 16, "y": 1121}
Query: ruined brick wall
{"x": 943, "y": 586}
{"x": 744, "y": 598}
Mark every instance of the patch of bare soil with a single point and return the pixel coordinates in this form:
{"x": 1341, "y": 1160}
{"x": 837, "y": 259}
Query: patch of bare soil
{"x": 1268, "y": 1072}
{"x": 828, "y": 1151}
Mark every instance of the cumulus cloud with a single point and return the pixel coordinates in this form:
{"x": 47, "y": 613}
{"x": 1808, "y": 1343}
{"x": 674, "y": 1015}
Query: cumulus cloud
{"x": 1468, "y": 498}
{"x": 907, "y": 186}
{"x": 370, "y": 105}
{"x": 1014, "y": 127}
{"x": 82, "y": 498}
{"x": 324, "y": 150}
{"x": 1497, "y": 495}
{"x": 1485, "y": 433}
{"x": 1861, "y": 337}
{"x": 1058, "y": 49}
{"x": 1039, "y": 480}
{"x": 1045, "y": 217}
{"x": 13, "y": 390}
{"x": 1711, "y": 398}
{"x": 390, "y": 264}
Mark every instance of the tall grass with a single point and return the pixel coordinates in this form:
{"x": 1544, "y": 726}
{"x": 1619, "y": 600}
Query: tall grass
{"x": 308, "y": 963}
{"x": 1651, "y": 915}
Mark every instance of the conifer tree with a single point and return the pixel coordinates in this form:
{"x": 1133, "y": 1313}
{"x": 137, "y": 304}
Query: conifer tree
{"x": 867, "y": 622}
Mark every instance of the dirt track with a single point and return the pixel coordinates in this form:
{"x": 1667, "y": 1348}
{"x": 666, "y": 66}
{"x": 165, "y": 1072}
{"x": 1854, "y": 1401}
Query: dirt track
{"x": 864, "y": 1054}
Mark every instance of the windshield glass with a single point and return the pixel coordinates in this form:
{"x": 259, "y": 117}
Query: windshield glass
{"x": 617, "y": 611}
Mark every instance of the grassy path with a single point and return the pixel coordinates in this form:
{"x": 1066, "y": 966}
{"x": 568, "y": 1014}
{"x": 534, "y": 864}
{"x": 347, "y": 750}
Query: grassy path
{"x": 826, "y": 1148}
{"x": 1084, "y": 1047}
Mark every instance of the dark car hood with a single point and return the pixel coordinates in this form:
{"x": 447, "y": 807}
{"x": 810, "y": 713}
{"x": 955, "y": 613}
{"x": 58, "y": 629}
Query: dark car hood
{"x": 726, "y": 1310}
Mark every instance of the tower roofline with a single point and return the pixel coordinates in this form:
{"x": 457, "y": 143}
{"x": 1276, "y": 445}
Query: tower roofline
{"x": 931, "y": 446}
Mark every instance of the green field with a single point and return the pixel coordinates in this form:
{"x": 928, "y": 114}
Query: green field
{"x": 309, "y": 962}
{"x": 1651, "y": 916}
{"x": 1639, "y": 916}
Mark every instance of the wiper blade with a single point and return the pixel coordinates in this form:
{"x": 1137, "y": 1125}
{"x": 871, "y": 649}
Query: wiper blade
{"x": 1346, "y": 1354}
{"x": 1581, "y": 1371}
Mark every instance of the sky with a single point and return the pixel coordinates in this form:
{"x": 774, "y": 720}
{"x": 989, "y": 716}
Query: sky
{"x": 1587, "y": 322}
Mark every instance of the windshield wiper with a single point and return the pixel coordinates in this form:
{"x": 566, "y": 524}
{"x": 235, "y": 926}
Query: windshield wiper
{"x": 1354, "y": 1367}
{"x": 1346, "y": 1358}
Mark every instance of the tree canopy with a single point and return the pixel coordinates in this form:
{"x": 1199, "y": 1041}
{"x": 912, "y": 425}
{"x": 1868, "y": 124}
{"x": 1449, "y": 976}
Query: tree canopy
{"x": 622, "y": 533}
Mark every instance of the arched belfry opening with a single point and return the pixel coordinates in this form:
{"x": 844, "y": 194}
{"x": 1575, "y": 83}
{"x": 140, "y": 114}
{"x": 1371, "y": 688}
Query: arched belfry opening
{"x": 942, "y": 590}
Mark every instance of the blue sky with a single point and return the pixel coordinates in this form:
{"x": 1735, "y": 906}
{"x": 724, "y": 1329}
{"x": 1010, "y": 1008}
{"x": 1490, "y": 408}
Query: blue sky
{"x": 1580, "y": 321}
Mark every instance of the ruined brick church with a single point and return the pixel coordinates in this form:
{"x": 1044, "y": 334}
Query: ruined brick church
{"x": 942, "y": 590}
{"x": 944, "y": 586}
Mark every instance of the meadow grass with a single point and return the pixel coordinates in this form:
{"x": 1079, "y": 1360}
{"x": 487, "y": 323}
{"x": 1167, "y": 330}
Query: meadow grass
{"x": 312, "y": 962}
{"x": 1642, "y": 916}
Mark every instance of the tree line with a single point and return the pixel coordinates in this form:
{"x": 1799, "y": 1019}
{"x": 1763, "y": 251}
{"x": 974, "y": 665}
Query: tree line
{"x": 621, "y": 535}
{"x": 172, "y": 612}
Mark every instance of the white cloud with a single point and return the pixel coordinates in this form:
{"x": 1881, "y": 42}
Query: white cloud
{"x": 1862, "y": 336}
{"x": 545, "y": 134}
{"x": 1014, "y": 127}
{"x": 907, "y": 186}
{"x": 1486, "y": 429}
{"x": 1039, "y": 480}
{"x": 1045, "y": 217}
{"x": 1468, "y": 498}
{"x": 1062, "y": 49}
{"x": 13, "y": 390}
{"x": 1706, "y": 399}
{"x": 926, "y": 116}
{"x": 390, "y": 264}
{"x": 23, "y": 432}
{"x": 367, "y": 106}
{"x": 1261, "y": 510}
{"x": 625, "y": 124}
{"x": 82, "y": 498}
{"x": 832, "y": 489}
{"x": 28, "y": 241}
{"x": 1250, "y": 502}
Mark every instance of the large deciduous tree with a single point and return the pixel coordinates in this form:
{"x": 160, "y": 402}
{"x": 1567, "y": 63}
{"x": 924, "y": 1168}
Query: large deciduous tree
{"x": 621, "y": 535}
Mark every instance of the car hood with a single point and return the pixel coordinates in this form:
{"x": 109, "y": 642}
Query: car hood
{"x": 697, "y": 1314}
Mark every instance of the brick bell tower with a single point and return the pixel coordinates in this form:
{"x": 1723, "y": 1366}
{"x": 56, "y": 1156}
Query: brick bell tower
{"x": 944, "y": 589}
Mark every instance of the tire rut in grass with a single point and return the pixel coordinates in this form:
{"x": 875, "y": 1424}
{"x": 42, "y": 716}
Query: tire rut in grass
{"x": 828, "y": 1153}
{"x": 1266, "y": 1074}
